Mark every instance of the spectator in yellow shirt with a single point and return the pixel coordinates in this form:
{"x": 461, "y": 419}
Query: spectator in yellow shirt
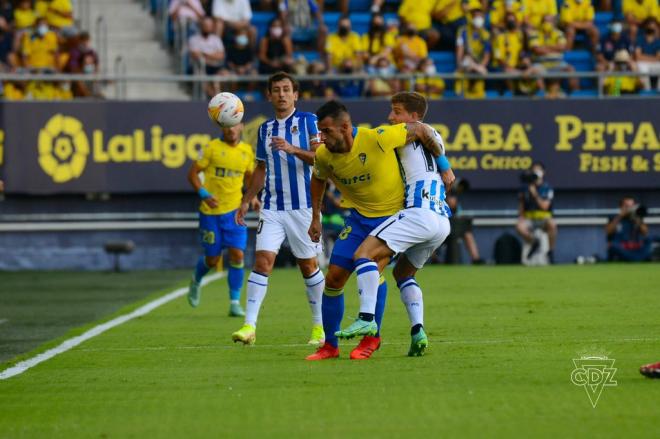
{"x": 622, "y": 84}
{"x": 417, "y": 13}
{"x": 507, "y": 47}
{"x": 501, "y": 8}
{"x": 60, "y": 14}
{"x": 428, "y": 86}
{"x": 378, "y": 42}
{"x": 24, "y": 15}
{"x": 578, "y": 16}
{"x": 535, "y": 10}
{"x": 410, "y": 49}
{"x": 343, "y": 45}
{"x": 548, "y": 45}
{"x": 39, "y": 49}
{"x": 473, "y": 54}
{"x": 636, "y": 11}
{"x": 448, "y": 17}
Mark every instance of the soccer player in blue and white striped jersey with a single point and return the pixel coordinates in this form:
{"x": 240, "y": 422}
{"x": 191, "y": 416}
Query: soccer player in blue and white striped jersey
{"x": 286, "y": 148}
{"x": 414, "y": 232}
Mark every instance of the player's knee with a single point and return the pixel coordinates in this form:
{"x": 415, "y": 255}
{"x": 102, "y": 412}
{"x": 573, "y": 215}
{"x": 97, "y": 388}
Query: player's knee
{"x": 212, "y": 261}
{"x": 335, "y": 278}
{"x": 308, "y": 266}
{"x": 264, "y": 264}
{"x": 235, "y": 257}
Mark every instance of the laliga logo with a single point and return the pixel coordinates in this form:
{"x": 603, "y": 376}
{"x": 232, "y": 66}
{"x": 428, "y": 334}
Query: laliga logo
{"x": 593, "y": 373}
{"x": 63, "y": 148}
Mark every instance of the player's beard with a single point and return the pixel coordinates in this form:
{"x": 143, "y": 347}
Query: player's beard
{"x": 338, "y": 147}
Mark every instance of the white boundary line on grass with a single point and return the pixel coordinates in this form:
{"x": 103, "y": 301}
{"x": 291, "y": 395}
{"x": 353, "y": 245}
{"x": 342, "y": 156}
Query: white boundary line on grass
{"x": 66, "y": 345}
{"x": 3, "y": 321}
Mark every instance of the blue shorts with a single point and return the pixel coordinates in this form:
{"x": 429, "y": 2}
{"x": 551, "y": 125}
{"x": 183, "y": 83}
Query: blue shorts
{"x": 217, "y": 232}
{"x": 356, "y": 230}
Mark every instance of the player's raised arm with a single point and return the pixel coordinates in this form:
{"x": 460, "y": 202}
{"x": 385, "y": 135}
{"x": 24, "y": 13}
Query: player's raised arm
{"x": 418, "y": 131}
{"x": 317, "y": 189}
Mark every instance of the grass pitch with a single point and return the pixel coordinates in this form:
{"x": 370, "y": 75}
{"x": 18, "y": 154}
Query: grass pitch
{"x": 502, "y": 344}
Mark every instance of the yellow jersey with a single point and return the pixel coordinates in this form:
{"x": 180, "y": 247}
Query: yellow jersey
{"x": 499, "y": 10}
{"x": 641, "y": 11}
{"x": 367, "y": 176}
{"x": 506, "y": 49}
{"x": 430, "y": 88}
{"x": 24, "y": 18}
{"x": 576, "y": 12}
{"x": 535, "y": 10}
{"x": 40, "y": 51}
{"x": 455, "y": 11}
{"x": 375, "y": 47}
{"x": 417, "y": 13}
{"x": 55, "y": 10}
{"x": 224, "y": 168}
{"x": 341, "y": 49}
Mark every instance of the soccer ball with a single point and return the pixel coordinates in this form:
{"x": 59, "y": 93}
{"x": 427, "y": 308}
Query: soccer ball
{"x": 226, "y": 109}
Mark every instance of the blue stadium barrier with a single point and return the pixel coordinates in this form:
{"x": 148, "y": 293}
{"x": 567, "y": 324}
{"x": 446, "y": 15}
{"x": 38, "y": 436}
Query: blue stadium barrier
{"x": 445, "y": 62}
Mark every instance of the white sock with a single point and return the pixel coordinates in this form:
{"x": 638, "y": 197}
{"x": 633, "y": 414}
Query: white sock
{"x": 411, "y": 296}
{"x": 314, "y": 287}
{"x": 256, "y": 291}
{"x": 367, "y": 280}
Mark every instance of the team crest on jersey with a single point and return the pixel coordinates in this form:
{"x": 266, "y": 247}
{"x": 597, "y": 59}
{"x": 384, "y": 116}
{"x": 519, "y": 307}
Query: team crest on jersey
{"x": 401, "y": 215}
{"x": 363, "y": 158}
{"x": 294, "y": 130}
{"x": 380, "y": 131}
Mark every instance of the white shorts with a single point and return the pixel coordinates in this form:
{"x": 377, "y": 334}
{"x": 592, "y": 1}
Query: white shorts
{"x": 276, "y": 225}
{"x": 416, "y": 232}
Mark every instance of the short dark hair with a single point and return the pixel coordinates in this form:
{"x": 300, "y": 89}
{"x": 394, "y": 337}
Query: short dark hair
{"x": 332, "y": 109}
{"x": 412, "y": 102}
{"x": 538, "y": 163}
{"x": 624, "y": 198}
{"x": 281, "y": 76}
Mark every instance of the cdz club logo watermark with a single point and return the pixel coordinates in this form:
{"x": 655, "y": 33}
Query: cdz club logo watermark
{"x": 594, "y": 373}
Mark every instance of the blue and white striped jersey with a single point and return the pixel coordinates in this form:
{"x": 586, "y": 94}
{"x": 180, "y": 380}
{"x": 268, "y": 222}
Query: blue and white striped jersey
{"x": 287, "y": 177}
{"x": 424, "y": 187}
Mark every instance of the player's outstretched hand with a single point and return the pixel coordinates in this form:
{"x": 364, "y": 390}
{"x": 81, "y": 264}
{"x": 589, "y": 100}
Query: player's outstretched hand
{"x": 314, "y": 231}
{"x": 448, "y": 179}
{"x": 279, "y": 144}
{"x": 241, "y": 212}
{"x": 211, "y": 202}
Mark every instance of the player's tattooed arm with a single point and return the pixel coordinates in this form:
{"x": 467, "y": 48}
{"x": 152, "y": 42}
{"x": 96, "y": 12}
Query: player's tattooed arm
{"x": 317, "y": 188}
{"x": 280, "y": 144}
{"x": 424, "y": 133}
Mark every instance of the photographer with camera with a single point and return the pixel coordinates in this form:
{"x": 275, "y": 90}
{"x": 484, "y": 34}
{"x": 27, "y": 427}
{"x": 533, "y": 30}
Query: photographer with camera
{"x": 627, "y": 235}
{"x": 535, "y": 210}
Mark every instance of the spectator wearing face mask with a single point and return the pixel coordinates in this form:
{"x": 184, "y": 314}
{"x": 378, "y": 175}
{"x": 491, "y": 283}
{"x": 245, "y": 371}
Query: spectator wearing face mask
{"x": 378, "y": 41}
{"x": 578, "y": 16}
{"x": 622, "y": 83}
{"x": 77, "y": 51}
{"x": 612, "y": 42}
{"x": 428, "y": 86}
{"x": 507, "y": 47}
{"x": 499, "y": 11}
{"x": 548, "y": 45}
{"x": 348, "y": 88}
{"x": 417, "y": 13}
{"x": 240, "y": 56}
{"x": 636, "y": 11}
{"x": 381, "y": 82}
{"x": 410, "y": 49}
{"x": 232, "y": 16}
{"x": 275, "y": 50}
{"x": 39, "y": 49}
{"x": 473, "y": 54}
{"x": 207, "y": 49}
{"x": 647, "y": 52}
{"x": 343, "y": 45}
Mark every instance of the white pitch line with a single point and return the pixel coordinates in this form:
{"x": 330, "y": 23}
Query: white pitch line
{"x": 66, "y": 345}
{"x": 3, "y": 321}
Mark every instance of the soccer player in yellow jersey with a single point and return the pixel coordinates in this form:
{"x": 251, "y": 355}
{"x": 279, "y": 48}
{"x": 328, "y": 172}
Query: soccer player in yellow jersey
{"x": 227, "y": 166}
{"x": 363, "y": 165}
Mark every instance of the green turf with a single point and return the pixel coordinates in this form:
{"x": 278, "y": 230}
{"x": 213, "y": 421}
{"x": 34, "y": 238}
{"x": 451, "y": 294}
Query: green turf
{"x": 502, "y": 341}
{"x": 39, "y": 306}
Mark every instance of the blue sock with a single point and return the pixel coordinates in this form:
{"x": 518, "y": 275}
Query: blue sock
{"x": 380, "y": 305}
{"x": 201, "y": 269}
{"x": 235, "y": 280}
{"x": 332, "y": 310}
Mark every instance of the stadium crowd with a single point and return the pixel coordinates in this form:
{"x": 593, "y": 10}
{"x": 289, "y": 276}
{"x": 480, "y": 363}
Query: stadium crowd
{"x": 40, "y": 37}
{"x": 382, "y": 38}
